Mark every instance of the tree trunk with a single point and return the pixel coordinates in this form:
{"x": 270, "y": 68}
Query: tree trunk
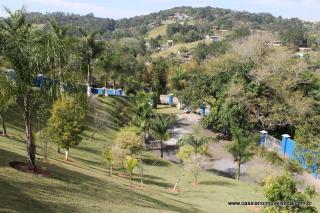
{"x": 88, "y": 74}
{"x": 67, "y": 154}
{"x": 238, "y": 171}
{"x": 161, "y": 148}
{"x": 114, "y": 83}
{"x": 106, "y": 80}
{"x": 130, "y": 178}
{"x": 59, "y": 149}
{"x": 61, "y": 89}
{"x": 178, "y": 179}
{"x": 31, "y": 147}
{"x": 110, "y": 170}
{"x": 141, "y": 170}
{"x": 3, "y": 124}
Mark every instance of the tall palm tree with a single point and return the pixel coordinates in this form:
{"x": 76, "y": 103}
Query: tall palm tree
{"x": 106, "y": 62}
{"x": 160, "y": 126}
{"x": 91, "y": 48}
{"x": 25, "y": 48}
{"x": 60, "y": 45}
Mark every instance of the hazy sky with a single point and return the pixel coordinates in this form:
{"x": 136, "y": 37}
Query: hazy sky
{"x": 304, "y": 9}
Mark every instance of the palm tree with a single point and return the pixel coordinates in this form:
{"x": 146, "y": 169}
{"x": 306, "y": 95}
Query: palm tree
{"x": 129, "y": 164}
{"x": 160, "y": 126}
{"x": 241, "y": 148}
{"x": 60, "y": 44}
{"x": 25, "y": 48}
{"x": 143, "y": 113}
{"x": 106, "y": 62}
{"x": 198, "y": 143}
{"x": 91, "y": 48}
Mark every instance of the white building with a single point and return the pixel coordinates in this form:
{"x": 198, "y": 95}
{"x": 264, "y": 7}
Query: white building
{"x": 170, "y": 43}
{"x": 214, "y": 38}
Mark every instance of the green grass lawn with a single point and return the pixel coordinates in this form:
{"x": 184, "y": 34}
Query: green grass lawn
{"x": 82, "y": 185}
{"x": 176, "y": 48}
{"x": 160, "y": 30}
{"x": 165, "y": 109}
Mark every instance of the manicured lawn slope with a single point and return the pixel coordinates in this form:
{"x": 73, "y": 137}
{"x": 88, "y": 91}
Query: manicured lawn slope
{"x": 82, "y": 185}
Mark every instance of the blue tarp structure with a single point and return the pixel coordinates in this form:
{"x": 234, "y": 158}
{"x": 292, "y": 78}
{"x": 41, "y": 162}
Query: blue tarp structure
{"x": 42, "y": 81}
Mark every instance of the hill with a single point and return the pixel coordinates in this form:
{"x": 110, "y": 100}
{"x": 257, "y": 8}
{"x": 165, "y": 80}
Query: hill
{"x": 139, "y": 25}
{"x": 82, "y": 184}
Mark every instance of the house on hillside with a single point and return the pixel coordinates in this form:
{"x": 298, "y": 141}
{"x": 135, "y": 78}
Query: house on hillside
{"x": 179, "y": 17}
{"x": 224, "y": 33}
{"x": 185, "y": 55}
{"x": 276, "y": 43}
{"x": 213, "y": 38}
{"x": 170, "y": 43}
{"x": 305, "y": 49}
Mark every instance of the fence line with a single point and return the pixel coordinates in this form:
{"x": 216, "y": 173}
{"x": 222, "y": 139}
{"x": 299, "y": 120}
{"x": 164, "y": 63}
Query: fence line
{"x": 286, "y": 147}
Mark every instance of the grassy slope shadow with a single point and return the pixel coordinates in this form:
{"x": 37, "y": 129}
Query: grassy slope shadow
{"x": 70, "y": 191}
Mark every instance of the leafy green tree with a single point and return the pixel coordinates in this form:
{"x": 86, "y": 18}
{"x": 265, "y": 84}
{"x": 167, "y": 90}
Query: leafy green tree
{"x": 160, "y": 126}
{"x": 192, "y": 149}
{"x": 284, "y": 188}
{"x": 191, "y": 160}
{"x": 129, "y": 142}
{"x": 7, "y": 98}
{"x": 108, "y": 159}
{"x": 240, "y": 32}
{"x": 295, "y": 35}
{"x": 159, "y": 79}
{"x": 65, "y": 123}
{"x": 155, "y": 42}
{"x": 129, "y": 138}
{"x": 241, "y": 148}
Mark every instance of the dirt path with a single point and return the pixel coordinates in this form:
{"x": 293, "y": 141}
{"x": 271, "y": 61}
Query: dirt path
{"x": 185, "y": 124}
{"x": 221, "y": 162}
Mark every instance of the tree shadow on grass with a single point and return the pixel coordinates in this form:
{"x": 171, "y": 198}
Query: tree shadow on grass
{"x": 14, "y": 194}
{"x": 156, "y": 162}
{"x": 14, "y": 199}
{"x": 229, "y": 173}
{"x": 89, "y": 149}
{"x": 153, "y": 182}
{"x": 218, "y": 182}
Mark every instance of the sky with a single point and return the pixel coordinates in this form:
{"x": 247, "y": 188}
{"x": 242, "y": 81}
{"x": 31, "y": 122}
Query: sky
{"x": 308, "y": 10}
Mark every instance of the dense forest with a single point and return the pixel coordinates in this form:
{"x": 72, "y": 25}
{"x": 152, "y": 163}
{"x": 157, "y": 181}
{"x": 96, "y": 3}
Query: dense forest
{"x": 205, "y": 21}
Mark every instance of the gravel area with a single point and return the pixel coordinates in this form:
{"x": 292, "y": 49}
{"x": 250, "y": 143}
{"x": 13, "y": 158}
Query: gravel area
{"x": 221, "y": 162}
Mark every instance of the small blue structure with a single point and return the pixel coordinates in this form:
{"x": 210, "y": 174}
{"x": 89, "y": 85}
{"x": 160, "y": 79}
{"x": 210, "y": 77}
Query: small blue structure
{"x": 39, "y": 81}
{"x": 202, "y": 110}
{"x": 94, "y": 91}
{"x": 170, "y": 100}
{"x": 111, "y": 92}
{"x": 101, "y": 91}
{"x": 118, "y": 92}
